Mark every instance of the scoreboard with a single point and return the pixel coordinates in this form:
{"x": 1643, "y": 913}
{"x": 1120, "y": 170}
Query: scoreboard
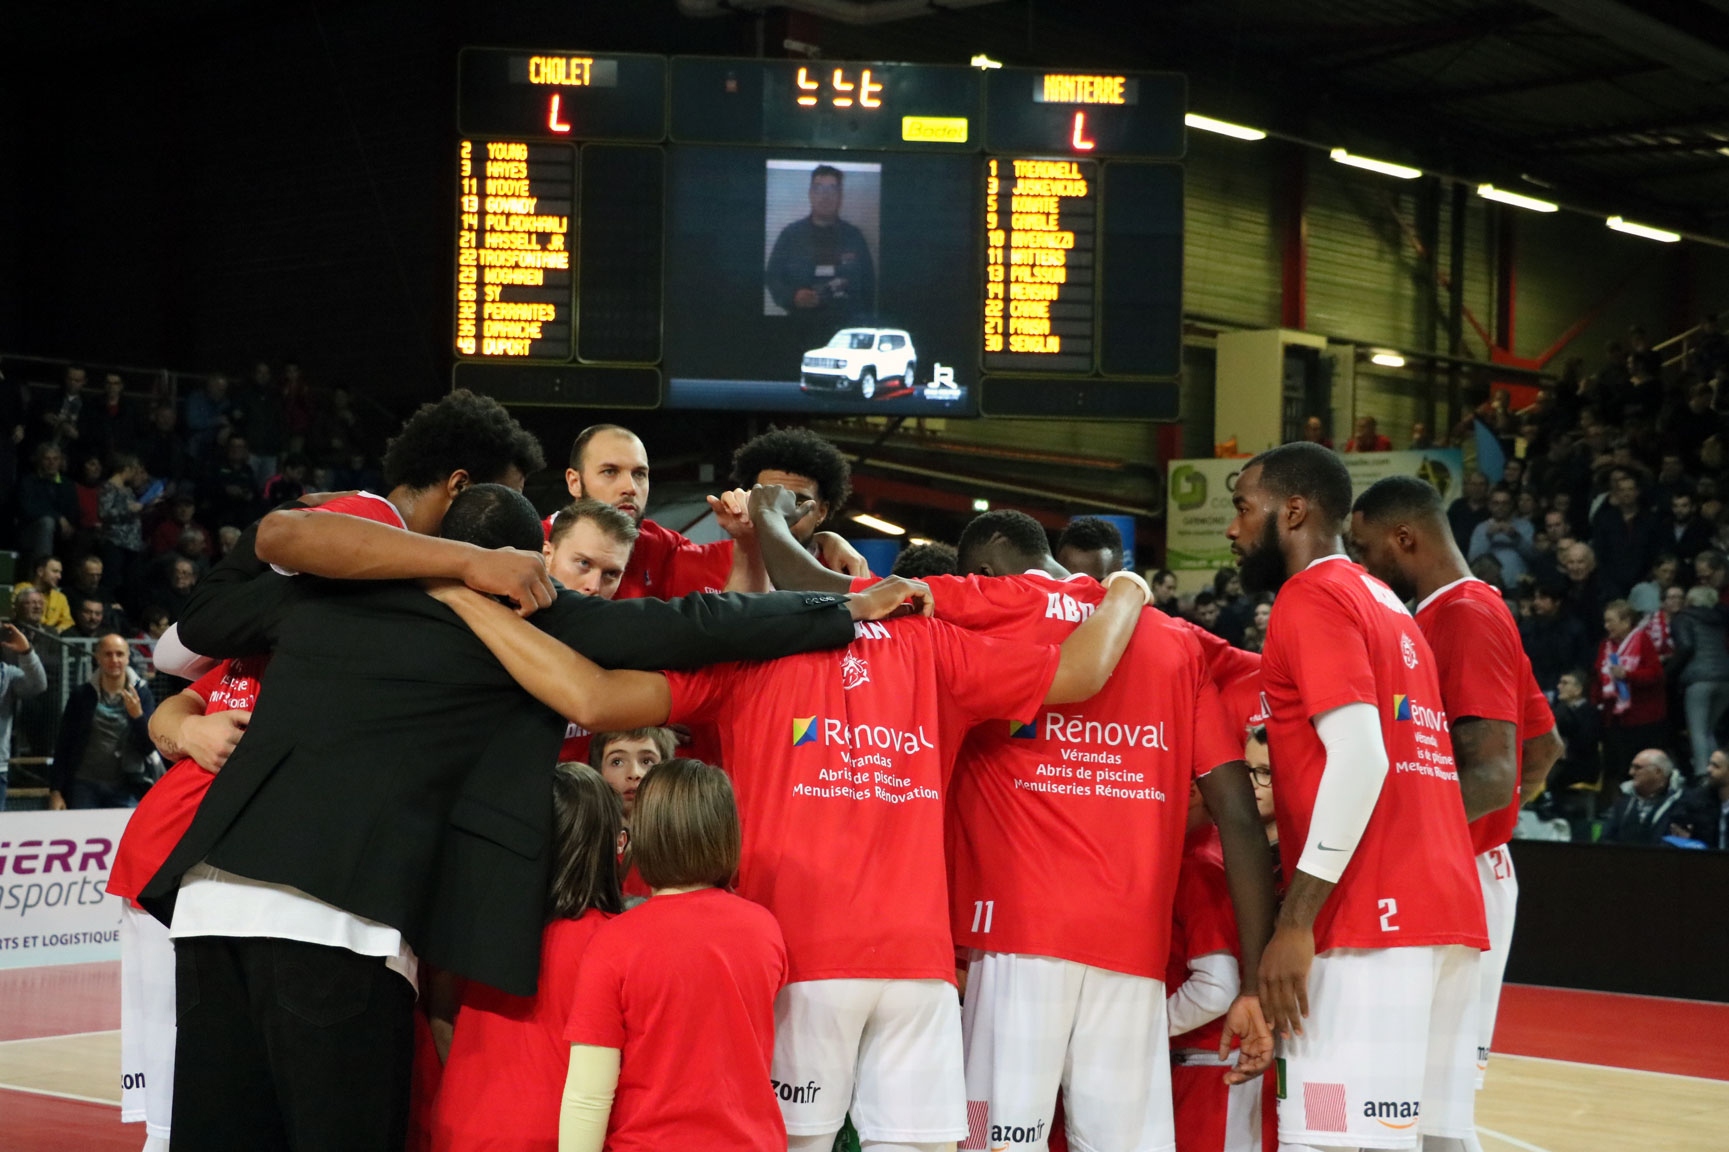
{"x": 839, "y": 237}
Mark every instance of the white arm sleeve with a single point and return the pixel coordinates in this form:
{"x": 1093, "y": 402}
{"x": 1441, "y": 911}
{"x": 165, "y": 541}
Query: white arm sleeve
{"x": 1206, "y": 995}
{"x": 176, "y": 659}
{"x": 1350, "y": 786}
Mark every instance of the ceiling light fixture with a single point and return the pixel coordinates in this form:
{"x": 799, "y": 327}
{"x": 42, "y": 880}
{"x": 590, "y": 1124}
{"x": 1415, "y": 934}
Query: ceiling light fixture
{"x": 1387, "y": 359}
{"x": 1223, "y": 127}
{"x": 980, "y": 504}
{"x": 880, "y": 525}
{"x": 982, "y": 61}
{"x": 1502, "y": 196}
{"x": 1621, "y": 224}
{"x": 1397, "y": 171}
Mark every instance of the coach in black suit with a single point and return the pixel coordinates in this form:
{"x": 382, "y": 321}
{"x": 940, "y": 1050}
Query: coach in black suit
{"x": 393, "y": 770}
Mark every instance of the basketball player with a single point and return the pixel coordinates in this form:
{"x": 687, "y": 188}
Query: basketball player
{"x": 1497, "y": 714}
{"x": 1377, "y": 941}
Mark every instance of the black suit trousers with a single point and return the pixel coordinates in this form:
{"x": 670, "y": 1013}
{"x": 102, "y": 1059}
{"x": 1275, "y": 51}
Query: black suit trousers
{"x": 285, "y": 1046}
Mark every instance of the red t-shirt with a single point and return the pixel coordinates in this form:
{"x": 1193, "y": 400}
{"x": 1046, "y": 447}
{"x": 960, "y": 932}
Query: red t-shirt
{"x": 841, "y": 759}
{"x": 166, "y": 810}
{"x": 684, "y": 987}
{"x": 1484, "y": 673}
{"x": 1036, "y": 807}
{"x": 505, "y": 1075}
{"x": 1202, "y": 923}
{"x": 1338, "y": 636}
{"x": 1245, "y": 703}
{"x": 665, "y": 565}
{"x": 1647, "y": 702}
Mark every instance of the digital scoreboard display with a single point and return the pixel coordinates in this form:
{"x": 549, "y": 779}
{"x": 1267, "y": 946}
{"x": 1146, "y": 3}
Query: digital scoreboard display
{"x": 817, "y": 236}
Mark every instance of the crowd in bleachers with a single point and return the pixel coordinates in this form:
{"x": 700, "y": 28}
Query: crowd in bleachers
{"x": 117, "y": 494}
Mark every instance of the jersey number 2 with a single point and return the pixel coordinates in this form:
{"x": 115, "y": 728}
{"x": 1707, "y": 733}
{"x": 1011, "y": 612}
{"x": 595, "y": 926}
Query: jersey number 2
{"x": 983, "y": 910}
{"x": 1389, "y": 909}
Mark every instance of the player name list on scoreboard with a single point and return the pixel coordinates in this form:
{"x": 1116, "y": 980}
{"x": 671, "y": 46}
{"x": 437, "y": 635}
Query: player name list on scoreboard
{"x": 513, "y": 250}
{"x": 1040, "y": 239}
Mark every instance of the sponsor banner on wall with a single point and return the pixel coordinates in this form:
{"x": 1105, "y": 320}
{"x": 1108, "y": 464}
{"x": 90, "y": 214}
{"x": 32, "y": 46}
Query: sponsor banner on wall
{"x": 1198, "y": 497}
{"x": 53, "y": 874}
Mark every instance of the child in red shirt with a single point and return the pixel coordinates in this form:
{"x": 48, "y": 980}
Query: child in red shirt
{"x": 500, "y": 1088}
{"x": 623, "y": 759}
{"x": 672, "y": 1030}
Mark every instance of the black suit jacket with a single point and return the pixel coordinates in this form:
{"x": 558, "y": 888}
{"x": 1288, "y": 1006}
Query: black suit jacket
{"x": 392, "y": 767}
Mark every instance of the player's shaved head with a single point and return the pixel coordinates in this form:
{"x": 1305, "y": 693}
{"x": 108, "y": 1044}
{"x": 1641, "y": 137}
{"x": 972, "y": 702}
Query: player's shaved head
{"x": 1400, "y": 533}
{"x": 1003, "y": 543}
{"x": 492, "y": 516}
{"x": 1310, "y": 471}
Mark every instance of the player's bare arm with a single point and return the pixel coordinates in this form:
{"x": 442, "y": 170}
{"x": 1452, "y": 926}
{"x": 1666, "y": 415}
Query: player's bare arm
{"x": 165, "y": 723}
{"x": 1091, "y": 652}
{"x": 1230, "y": 797}
{"x": 351, "y": 548}
{"x": 1487, "y": 755}
{"x": 1284, "y": 975}
{"x": 1540, "y": 754}
{"x": 773, "y": 511}
{"x": 731, "y": 512}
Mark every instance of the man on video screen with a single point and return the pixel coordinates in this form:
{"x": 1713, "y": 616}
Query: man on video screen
{"x": 820, "y": 269}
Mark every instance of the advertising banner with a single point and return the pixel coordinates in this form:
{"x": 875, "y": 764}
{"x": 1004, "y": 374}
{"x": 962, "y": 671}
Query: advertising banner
{"x": 1198, "y": 498}
{"x": 53, "y": 872}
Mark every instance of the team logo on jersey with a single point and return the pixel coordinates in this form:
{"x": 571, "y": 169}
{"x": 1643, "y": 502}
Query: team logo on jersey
{"x": 1408, "y": 649}
{"x": 804, "y": 730}
{"x": 854, "y": 671}
{"x": 1022, "y": 731}
{"x": 1263, "y": 714}
{"x": 1401, "y": 706}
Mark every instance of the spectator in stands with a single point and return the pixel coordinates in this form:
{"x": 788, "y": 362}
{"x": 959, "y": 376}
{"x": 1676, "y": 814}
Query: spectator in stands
{"x": 1660, "y": 624}
{"x": 1091, "y": 545}
{"x": 1488, "y": 569}
{"x": 1585, "y": 595}
{"x": 1711, "y": 568}
{"x": 182, "y": 575}
{"x": 1206, "y": 611}
{"x": 357, "y": 475}
{"x": 165, "y": 537}
{"x": 230, "y": 488}
{"x": 1640, "y": 355}
{"x": 1647, "y": 595}
{"x": 1624, "y": 534}
{"x": 122, "y": 538}
{"x": 1546, "y": 544}
{"x": 104, "y": 735}
{"x": 918, "y": 561}
{"x": 1577, "y": 777}
{"x": 56, "y": 610}
{"x": 90, "y": 619}
{"x": 161, "y": 447}
{"x": 87, "y": 487}
{"x": 207, "y": 418}
{"x": 19, "y": 680}
{"x": 1315, "y": 432}
{"x": 1420, "y": 436}
{"x": 1641, "y": 812}
{"x": 1164, "y": 585}
{"x": 1236, "y": 608}
{"x": 1701, "y": 665}
{"x": 1469, "y": 510}
{"x": 1504, "y": 536}
{"x": 1685, "y": 534}
{"x": 109, "y": 425}
{"x": 1630, "y": 691}
{"x": 37, "y": 716}
{"x": 263, "y": 420}
{"x": 156, "y": 621}
{"x": 27, "y": 608}
{"x": 89, "y": 582}
{"x": 1703, "y": 813}
{"x": 1368, "y": 438}
{"x": 1709, "y": 350}
{"x": 60, "y": 419}
{"x": 227, "y": 537}
{"x": 47, "y": 503}
{"x": 289, "y": 484}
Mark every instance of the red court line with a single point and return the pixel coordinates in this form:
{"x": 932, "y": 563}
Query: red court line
{"x": 1643, "y": 1032}
{"x": 59, "y": 1000}
{"x": 43, "y": 1124}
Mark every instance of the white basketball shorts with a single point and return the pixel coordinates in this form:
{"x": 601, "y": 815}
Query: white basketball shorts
{"x": 887, "y": 1050}
{"x": 1388, "y": 1052}
{"x": 1501, "y": 903}
{"x": 146, "y": 1021}
{"x": 1034, "y": 1025}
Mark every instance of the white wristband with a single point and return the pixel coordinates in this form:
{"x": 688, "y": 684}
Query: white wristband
{"x": 1125, "y": 574}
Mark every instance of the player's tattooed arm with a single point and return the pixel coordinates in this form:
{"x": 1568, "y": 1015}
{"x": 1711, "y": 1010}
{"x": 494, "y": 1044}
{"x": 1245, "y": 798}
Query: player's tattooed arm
{"x": 1487, "y": 755}
{"x": 1284, "y": 975}
{"x": 1539, "y": 756}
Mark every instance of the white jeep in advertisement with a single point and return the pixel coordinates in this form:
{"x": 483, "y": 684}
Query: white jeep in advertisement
{"x": 858, "y": 360}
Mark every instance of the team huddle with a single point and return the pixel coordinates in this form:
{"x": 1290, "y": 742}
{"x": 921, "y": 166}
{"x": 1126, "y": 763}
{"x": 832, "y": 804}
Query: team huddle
{"x": 493, "y": 833}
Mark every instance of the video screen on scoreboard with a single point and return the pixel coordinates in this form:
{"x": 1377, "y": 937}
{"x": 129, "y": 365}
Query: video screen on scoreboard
{"x": 808, "y": 281}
